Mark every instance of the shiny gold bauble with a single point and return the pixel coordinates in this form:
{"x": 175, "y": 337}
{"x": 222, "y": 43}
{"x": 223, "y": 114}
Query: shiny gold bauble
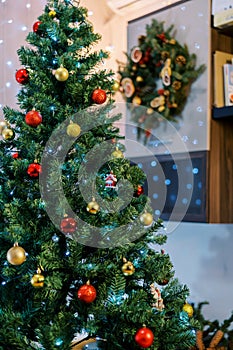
{"x": 3, "y": 125}
{"x": 137, "y": 100}
{"x": 61, "y": 74}
{"x": 38, "y": 280}
{"x": 189, "y": 309}
{"x": 8, "y": 134}
{"x": 116, "y": 86}
{"x": 128, "y": 268}
{"x": 117, "y": 154}
{"x": 16, "y": 255}
{"x": 139, "y": 79}
{"x": 73, "y": 130}
{"x": 146, "y": 219}
{"x": 93, "y": 207}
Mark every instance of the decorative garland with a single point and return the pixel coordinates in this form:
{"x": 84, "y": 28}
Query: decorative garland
{"x": 158, "y": 75}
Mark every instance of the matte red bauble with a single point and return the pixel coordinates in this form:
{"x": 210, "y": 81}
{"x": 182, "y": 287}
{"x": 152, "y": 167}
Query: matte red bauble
{"x": 34, "y": 169}
{"x": 68, "y": 225}
{"x": 22, "y": 76}
{"x": 99, "y": 96}
{"x": 87, "y": 293}
{"x": 36, "y": 26}
{"x": 33, "y": 118}
{"x": 144, "y": 337}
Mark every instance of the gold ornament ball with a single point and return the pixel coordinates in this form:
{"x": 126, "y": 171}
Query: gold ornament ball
{"x": 117, "y": 154}
{"x": 189, "y": 309}
{"x": 116, "y": 86}
{"x": 37, "y": 280}
{"x": 16, "y": 255}
{"x": 3, "y": 125}
{"x": 128, "y": 268}
{"x": 93, "y": 207}
{"x": 146, "y": 219}
{"x": 139, "y": 79}
{"x": 137, "y": 100}
{"x": 8, "y": 134}
{"x": 61, "y": 74}
{"x": 73, "y": 130}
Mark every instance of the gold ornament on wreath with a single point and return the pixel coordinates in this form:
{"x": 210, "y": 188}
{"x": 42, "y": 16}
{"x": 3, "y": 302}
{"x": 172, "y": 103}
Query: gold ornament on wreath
{"x": 158, "y": 74}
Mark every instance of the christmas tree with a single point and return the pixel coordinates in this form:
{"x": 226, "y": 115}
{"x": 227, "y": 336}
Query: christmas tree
{"x": 80, "y": 250}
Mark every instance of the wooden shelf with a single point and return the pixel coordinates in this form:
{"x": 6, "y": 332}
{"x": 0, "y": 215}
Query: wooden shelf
{"x": 220, "y": 160}
{"x": 222, "y": 112}
{"x": 221, "y": 171}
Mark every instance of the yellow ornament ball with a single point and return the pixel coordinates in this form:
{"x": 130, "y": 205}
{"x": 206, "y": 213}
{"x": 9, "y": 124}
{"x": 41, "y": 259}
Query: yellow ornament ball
{"x": 189, "y": 309}
{"x": 37, "y": 280}
{"x": 16, "y": 255}
{"x": 116, "y": 86}
{"x": 93, "y": 207}
{"x": 137, "y": 100}
{"x": 73, "y": 130}
{"x": 61, "y": 74}
{"x": 139, "y": 79}
{"x": 146, "y": 219}
{"x": 8, "y": 134}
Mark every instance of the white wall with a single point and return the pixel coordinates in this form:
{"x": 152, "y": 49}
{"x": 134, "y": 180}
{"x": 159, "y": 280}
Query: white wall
{"x": 203, "y": 259}
{"x": 16, "y": 20}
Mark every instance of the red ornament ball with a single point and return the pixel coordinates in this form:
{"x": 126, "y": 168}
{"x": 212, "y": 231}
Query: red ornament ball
{"x": 139, "y": 191}
{"x": 87, "y": 293}
{"x": 34, "y": 169}
{"x": 15, "y": 155}
{"x": 33, "y": 118}
{"x": 99, "y": 96}
{"x": 144, "y": 337}
{"x": 36, "y": 26}
{"x": 22, "y": 76}
{"x": 68, "y": 225}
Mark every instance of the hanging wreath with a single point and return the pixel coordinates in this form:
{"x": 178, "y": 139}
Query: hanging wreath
{"x": 158, "y": 75}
